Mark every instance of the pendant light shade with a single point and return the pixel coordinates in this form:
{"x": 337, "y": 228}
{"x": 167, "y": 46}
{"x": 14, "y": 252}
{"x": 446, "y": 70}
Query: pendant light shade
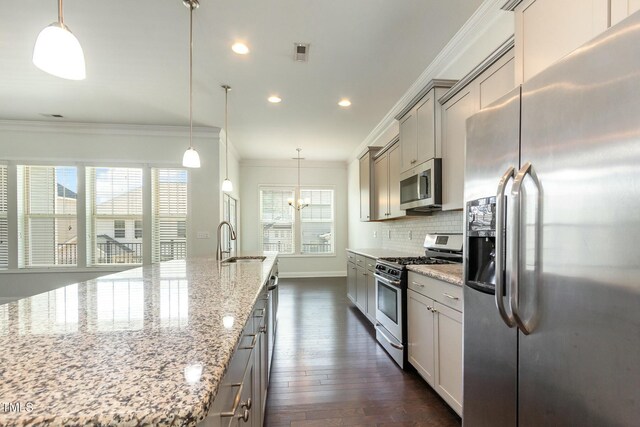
{"x": 58, "y": 52}
{"x": 191, "y": 159}
{"x": 227, "y": 185}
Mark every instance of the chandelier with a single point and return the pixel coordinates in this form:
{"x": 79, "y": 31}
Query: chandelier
{"x": 300, "y": 203}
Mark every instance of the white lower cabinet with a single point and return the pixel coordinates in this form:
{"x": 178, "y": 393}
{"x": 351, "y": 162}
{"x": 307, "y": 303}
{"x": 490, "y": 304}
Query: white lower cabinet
{"x": 421, "y": 330}
{"x": 361, "y": 285}
{"x": 434, "y": 329}
{"x": 448, "y": 352}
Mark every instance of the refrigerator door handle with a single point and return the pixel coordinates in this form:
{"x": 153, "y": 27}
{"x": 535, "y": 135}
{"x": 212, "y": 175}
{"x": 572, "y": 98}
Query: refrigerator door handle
{"x": 500, "y": 250}
{"x": 514, "y": 302}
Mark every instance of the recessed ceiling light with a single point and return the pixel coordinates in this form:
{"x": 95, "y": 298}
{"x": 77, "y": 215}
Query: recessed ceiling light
{"x": 274, "y": 99}
{"x": 240, "y": 48}
{"x": 344, "y": 103}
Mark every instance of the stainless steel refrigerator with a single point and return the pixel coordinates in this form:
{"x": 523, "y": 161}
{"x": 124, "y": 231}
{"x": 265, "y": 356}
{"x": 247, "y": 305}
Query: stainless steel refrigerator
{"x": 552, "y": 256}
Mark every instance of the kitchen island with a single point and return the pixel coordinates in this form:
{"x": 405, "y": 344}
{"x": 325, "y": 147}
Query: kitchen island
{"x": 148, "y": 346}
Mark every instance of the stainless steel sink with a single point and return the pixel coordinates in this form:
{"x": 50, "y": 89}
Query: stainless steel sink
{"x": 243, "y": 259}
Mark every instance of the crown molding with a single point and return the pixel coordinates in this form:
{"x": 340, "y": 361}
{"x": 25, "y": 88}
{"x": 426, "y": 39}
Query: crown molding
{"x": 479, "y": 69}
{"x": 106, "y": 129}
{"x": 510, "y": 5}
{"x": 481, "y": 20}
{"x": 439, "y": 83}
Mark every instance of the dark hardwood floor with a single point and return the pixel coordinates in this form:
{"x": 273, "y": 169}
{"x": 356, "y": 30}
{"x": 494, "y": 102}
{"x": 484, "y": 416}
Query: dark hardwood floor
{"x": 328, "y": 370}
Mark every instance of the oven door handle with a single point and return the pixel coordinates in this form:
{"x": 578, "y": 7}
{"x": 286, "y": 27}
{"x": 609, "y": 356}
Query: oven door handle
{"x": 387, "y": 281}
{"x": 394, "y": 345}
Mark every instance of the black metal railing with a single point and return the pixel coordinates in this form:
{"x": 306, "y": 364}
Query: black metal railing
{"x": 316, "y": 248}
{"x": 307, "y": 248}
{"x": 67, "y": 253}
{"x": 173, "y": 250}
{"x": 119, "y": 253}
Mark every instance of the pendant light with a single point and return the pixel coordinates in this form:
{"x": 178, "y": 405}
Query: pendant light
{"x": 227, "y": 185}
{"x": 301, "y": 203}
{"x": 191, "y": 159}
{"x": 58, "y": 52}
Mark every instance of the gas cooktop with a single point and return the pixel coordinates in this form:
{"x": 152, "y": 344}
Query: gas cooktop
{"x": 414, "y": 260}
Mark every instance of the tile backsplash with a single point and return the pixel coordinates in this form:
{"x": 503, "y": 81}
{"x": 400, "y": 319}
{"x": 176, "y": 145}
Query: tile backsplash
{"x": 395, "y": 234}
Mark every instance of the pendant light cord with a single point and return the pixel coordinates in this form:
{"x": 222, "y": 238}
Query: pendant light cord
{"x": 226, "y": 133}
{"x": 60, "y": 15}
{"x": 190, "y": 74}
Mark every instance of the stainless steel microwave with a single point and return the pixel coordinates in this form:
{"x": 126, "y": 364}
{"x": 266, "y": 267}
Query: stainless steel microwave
{"x": 421, "y": 188}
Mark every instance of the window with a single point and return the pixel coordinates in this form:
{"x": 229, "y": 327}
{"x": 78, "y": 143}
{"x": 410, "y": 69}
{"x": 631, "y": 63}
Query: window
{"x": 114, "y": 200}
{"x": 280, "y": 221}
{"x": 277, "y": 220}
{"x": 119, "y": 229}
{"x": 4, "y": 227}
{"x": 169, "y": 189}
{"x": 47, "y": 215}
{"x": 316, "y": 222}
{"x": 138, "y": 229}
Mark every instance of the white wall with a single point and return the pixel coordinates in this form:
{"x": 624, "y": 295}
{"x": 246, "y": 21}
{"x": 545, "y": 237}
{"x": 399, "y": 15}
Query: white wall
{"x": 118, "y": 145}
{"x": 333, "y": 174}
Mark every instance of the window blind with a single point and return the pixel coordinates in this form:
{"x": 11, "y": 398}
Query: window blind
{"x": 48, "y": 217}
{"x": 317, "y": 221}
{"x": 277, "y": 220}
{"x": 4, "y": 227}
{"x": 115, "y": 201}
{"x": 169, "y": 204}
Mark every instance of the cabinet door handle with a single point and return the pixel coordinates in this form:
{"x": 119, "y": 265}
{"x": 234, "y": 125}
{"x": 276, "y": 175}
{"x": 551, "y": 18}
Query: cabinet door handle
{"x": 451, "y": 296}
{"x": 244, "y": 416}
{"x": 246, "y": 404}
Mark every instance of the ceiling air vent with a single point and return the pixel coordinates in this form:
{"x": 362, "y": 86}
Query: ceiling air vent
{"x": 301, "y": 52}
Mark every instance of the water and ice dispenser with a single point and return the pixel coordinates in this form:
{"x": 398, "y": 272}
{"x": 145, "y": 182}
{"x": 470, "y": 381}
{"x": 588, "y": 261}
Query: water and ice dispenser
{"x": 481, "y": 242}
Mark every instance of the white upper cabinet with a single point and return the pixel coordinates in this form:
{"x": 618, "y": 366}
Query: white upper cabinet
{"x": 547, "y": 30}
{"x": 387, "y": 182}
{"x": 490, "y": 80}
{"x": 367, "y": 199}
{"x": 420, "y": 126}
{"x": 620, "y": 9}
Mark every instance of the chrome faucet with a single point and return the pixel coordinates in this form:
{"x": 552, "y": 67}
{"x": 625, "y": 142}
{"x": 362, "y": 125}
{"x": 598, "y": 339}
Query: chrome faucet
{"x": 219, "y": 252}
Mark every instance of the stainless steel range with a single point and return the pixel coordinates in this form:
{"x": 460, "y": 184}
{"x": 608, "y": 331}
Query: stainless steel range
{"x": 391, "y": 290}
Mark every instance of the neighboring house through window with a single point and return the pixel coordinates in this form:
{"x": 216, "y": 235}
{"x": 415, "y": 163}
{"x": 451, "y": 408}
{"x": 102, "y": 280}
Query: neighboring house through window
{"x": 169, "y": 204}
{"x": 47, "y": 217}
{"x": 115, "y": 203}
{"x": 277, "y": 219}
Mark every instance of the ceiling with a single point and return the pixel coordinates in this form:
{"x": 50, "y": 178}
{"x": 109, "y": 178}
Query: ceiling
{"x": 369, "y": 51}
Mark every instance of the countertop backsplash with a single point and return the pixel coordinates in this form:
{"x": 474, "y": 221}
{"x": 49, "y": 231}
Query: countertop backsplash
{"x": 395, "y": 234}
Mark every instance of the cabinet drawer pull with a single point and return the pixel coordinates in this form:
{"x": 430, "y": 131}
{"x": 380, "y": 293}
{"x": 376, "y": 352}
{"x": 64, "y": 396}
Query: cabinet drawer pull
{"x": 370, "y": 265}
{"x": 417, "y": 284}
{"x": 244, "y": 416}
{"x": 451, "y": 296}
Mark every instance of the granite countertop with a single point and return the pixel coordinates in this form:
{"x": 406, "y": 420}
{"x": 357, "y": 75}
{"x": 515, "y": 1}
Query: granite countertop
{"x": 126, "y": 349}
{"x": 451, "y": 273}
{"x": 380, "y": 253}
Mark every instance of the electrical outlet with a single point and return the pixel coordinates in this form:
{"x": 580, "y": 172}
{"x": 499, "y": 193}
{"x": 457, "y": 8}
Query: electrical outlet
{"x": 389, "y": 234}
{"x": 203, "y": 235}
{"x": 375, "y": 234}
{"x": 410, "y": 235}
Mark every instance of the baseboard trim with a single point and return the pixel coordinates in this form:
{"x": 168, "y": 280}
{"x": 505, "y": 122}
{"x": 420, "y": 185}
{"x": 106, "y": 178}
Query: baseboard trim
{"x": 309, "y": 274}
